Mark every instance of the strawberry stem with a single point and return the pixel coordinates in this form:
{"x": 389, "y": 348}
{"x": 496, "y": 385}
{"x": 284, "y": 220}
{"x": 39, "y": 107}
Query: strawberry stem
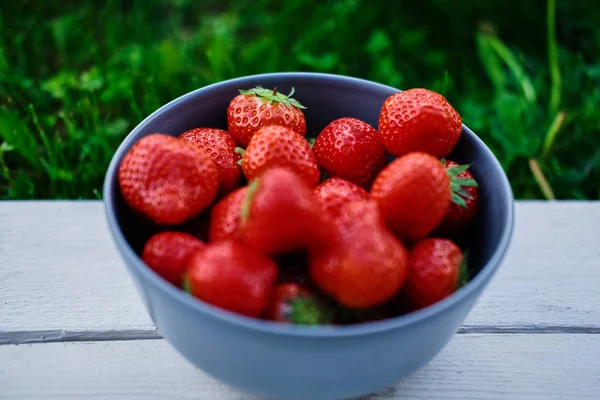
{"x": 252, "y": 188}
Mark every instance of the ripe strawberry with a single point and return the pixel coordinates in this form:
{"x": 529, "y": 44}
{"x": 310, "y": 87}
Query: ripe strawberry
{"x": 366, "y": 266}
{"x": 434, "y": 271}
{"x": 280, "y": 214}
{"x": 232, "y": 276}
{"x": 350, "y": 148}
{"x": 168, "y": 253}
{"x": 167, "y": 180}
{"x": 220, "y": 146}
{"x": 225, "y": 216}
{"x": 414, "y": 194}
{"x": 334, "y": 194}
{"x": 292, "y": 303}
{"x": 278, "y": 146}
{"x": 255, "y": 108}
{"x": 465, "y": 200}
{"x": 419, "y": 120}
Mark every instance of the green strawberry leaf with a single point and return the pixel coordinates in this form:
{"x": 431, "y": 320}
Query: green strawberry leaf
{"x": 460, "y": 191}
{"x": 306, "y": 310}
{"x": 274, "y": 96}
{"x": 467, "y": 182}
{"x": 459, "y": 200}
{"x": 457, "y": 170}
{"x": 459, "y": 195}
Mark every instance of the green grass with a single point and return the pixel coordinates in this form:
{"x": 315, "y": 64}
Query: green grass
{"x": 75, "y": 79}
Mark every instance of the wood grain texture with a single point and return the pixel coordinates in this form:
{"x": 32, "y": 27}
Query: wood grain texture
{"x": 525, "y": 367}
{"x": 550, "y": 276}
{"x": 59, "y": 269}
{"x": 60, "y": 272}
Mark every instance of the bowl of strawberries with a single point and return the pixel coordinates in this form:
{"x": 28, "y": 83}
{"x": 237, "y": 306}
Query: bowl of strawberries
{"x": 305, "y": 235}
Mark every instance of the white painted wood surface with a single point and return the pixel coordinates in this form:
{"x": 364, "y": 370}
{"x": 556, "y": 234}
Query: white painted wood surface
{"x": 535, "y": 333}
{"x": 59, "y": 270}
{"x": 496, "y": 366}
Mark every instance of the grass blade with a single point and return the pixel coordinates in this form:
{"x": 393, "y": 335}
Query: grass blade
{"x": 541, "y": 179}
{"x": 490, "y": 61}
{"x": 555, "y": 127}
{"x": 43, "y": 137}
{"x": 553, "y": 58}
{"x": 515, "y": 67}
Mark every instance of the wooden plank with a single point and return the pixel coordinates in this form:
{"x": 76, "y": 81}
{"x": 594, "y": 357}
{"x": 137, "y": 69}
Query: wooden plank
{"x": 478, "y": 366}
{"x": 550, "y": 275}
{"x": 60, "y": 270}
{"x": 60, "y": 274}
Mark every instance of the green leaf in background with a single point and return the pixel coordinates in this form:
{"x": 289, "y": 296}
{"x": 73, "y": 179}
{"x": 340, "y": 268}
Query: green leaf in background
{"x": 75, "y": 79}
{"x": 91, "y": 80}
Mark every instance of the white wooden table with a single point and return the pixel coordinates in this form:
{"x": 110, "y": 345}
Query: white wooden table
{"x": 71, "y": 325}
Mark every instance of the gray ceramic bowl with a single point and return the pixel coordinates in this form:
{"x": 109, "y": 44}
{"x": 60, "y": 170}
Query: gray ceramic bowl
{"x": 299, "y": 362}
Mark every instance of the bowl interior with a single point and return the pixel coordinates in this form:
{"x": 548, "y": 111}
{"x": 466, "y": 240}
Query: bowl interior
{"x": 326, "y": 97}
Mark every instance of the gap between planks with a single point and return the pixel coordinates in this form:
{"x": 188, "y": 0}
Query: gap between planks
{"x": 66, "y": 336}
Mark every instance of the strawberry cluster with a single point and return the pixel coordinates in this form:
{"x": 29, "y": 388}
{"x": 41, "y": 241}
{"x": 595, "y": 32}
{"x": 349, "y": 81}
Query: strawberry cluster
{"x": 260, "y": 221}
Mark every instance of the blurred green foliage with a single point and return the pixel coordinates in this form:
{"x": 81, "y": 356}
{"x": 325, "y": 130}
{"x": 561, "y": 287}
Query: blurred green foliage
{"x": 75, "y": 78}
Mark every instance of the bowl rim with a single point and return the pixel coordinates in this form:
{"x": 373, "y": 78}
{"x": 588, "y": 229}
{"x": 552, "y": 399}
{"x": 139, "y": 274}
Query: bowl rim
{"x": 134, "y": 262}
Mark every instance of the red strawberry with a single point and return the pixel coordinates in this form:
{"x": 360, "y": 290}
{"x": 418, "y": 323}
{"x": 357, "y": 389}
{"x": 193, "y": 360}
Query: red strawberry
{"x": 225, "y": 216}
{"x": 466, "y": 200}
{"x": 334, "y": 194}
{"x": 419, "y": 120}
{"x": 168, "y": 253}
{"x": 232, "y": 276}
{"x": 280, "y": 214}
{"x": 259, "y": 107}
{"x": 350, "y": 148}
{"x": 434, "y": 271}
{"x": 167, "y": 180}
{"x": 366, "y": 266}
{"x": 292, "y": 303}
{"x": 278, "y": 146}
{"x": 414, "y": 194}
{"x": 220, "y": 146}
